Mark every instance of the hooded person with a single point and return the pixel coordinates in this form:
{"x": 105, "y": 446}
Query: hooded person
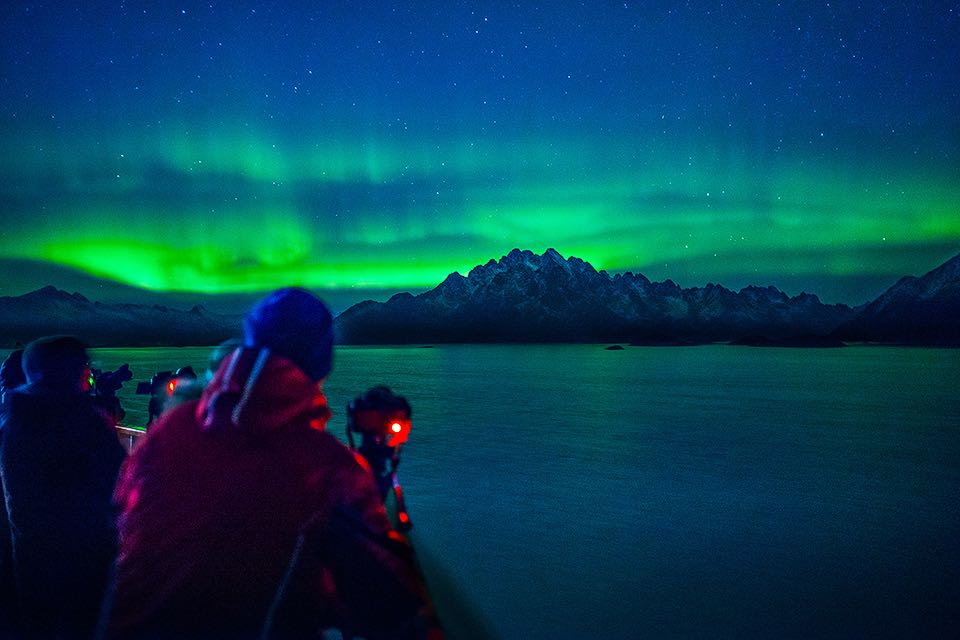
{"x": 11, "y": 374}
{"x": 241, "y": 517}
{"x": 11, "y": 377}
{"x": 59, "y": 458}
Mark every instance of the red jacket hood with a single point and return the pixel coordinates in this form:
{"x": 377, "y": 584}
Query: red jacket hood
{"x": 256, "y": 393}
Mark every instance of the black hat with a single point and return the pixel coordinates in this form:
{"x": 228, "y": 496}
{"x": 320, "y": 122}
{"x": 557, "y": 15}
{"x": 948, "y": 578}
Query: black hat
{"x": 56, "y": 361}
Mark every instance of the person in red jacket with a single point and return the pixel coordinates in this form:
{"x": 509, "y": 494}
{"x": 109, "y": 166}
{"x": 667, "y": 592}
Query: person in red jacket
{"x": 241, "y": 517}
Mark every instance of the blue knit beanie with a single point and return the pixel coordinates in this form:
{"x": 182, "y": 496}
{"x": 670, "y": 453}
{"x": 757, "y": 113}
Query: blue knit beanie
{"x": 296, "y": 325}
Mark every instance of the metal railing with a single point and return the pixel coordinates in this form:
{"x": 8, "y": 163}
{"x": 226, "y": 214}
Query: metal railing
{"x": 129, "y": 435}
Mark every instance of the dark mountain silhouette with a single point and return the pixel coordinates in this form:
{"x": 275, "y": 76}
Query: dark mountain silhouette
{"x": 21, "y": 275}
{"x": 923, "y": 310}
{"x": 525, "y": 297}
{"x": 50, "y": 311}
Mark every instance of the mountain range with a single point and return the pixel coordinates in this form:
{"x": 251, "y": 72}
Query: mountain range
{"x": 525, "y": 297}
{"x": 923, "y": 310}
{"x": 50, "y": 311}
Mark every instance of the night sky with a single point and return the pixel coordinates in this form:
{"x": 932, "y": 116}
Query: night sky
{"x": 232, "y": 147}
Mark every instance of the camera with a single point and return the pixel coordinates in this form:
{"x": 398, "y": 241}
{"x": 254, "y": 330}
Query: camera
{"x": 165, "y": 381}
{"x": 104, "y": 386}
{"x": 161, "y": 387}
{"x": 383, "y": 421}
{"x": 107, "y": 383}
{"x": 380, "y": 417}
{"x": 155, "y": 384}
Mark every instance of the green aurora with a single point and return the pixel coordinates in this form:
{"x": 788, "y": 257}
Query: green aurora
{"x": 180, "y": 170}
{"x": 227, "y": 216}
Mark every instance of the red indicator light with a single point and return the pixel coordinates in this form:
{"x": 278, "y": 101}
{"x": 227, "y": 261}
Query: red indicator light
{"x": 398, "y": 430}
{"x": 171, "y": 386}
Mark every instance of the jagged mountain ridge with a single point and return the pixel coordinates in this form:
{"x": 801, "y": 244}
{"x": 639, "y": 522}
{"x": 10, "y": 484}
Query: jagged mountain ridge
{"x": 546, "y": 298}
{"x": 533, "y": 298}
{"x": 924, "y": 310}
{"x": 50, "y": 311}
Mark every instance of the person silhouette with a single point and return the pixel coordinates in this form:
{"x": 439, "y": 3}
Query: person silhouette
{"x": 59, "y": 459}
{"x": 242, "y": 517}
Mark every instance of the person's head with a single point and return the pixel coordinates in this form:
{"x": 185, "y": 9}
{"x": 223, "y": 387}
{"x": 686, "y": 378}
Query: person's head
{"x": 219, "y": 354}
{"x": 60, "y": 362}
{"x": 11, "y": 373}
{"x": 296, "y": 325}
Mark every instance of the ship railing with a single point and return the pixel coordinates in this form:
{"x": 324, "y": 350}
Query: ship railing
{"x": 129, "y": 435}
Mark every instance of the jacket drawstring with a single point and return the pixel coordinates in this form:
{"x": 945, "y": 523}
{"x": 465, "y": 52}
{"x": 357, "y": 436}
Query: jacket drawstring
{"x": 247, "y": 388}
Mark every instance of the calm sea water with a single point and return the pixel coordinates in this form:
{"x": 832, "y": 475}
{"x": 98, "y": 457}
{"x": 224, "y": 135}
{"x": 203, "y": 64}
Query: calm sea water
{"x": 570, "y": 491}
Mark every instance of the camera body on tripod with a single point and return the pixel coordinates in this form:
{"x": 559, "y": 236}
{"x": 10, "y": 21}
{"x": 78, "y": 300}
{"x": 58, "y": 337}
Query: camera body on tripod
{"x": 383, "y": 421}
{"x": 161, "y": 388}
